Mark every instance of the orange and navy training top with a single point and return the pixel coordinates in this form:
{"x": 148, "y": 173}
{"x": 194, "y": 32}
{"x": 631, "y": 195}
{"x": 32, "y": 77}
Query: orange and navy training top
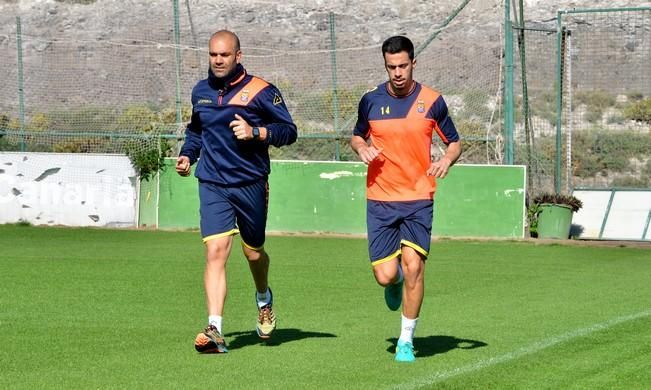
{"x": 402, "y": 128}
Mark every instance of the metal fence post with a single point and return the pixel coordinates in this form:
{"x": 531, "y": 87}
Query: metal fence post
{"x": 177, "y": 43}
{"x": 335, "y": 101}
{"x": 559, "y": 99}
{"x": 508, "y": 84}
{"x": 21, "y": 84}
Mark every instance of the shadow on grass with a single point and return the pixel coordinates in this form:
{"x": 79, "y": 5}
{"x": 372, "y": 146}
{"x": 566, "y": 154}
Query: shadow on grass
{"x": 434, "y": 345}
{"x": 280, "y": 336}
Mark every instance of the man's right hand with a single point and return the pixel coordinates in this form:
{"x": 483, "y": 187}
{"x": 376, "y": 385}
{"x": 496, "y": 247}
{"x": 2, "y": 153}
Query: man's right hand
{"x": 368, "y": 153}
{"x": 183, "y": 165}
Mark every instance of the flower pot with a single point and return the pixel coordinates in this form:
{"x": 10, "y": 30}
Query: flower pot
{"x": 554, "y": 221}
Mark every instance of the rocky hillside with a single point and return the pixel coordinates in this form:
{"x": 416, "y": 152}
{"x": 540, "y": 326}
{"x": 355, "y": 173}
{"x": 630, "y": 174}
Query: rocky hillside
{"x": 129, "y": 43}
{"x": 292, "y": 23}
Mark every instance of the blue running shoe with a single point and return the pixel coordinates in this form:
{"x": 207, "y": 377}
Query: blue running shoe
{"x": 405, "y": 352}
{"x": 393, "y": 295}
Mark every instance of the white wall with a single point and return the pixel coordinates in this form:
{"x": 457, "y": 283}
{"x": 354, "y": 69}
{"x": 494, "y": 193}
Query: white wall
{"x": 626, "y": 219}
{"x": 67, "y": 189}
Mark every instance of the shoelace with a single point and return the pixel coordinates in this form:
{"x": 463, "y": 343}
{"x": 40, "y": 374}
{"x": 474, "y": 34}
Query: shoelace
{"x": 264, "y": 315}
{"x": 212, "y": 331}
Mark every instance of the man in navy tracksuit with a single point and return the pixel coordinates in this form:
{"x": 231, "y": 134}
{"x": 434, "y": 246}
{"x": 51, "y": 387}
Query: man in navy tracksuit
{"x": 235, "y": 117}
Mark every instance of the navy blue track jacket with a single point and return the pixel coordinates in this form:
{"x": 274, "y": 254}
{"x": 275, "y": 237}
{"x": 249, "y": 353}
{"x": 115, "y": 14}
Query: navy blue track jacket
{"x": 224, "y": 159}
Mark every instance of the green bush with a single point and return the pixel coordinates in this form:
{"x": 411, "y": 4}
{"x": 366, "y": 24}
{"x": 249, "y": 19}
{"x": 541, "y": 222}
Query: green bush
{"x": 616, "y": 119}
{"x": 646, "y": 171}
{"x": 542, "y": 106}
{"x": 596, "y": 103}
{"x": 168, "y": 114}
{"x": 594, "y": 116}
{"x": 639, "y": 111}
{"x": 148, "y": 159}
{"x": 598, "y": 100}
{"x": 631, "y": 182}
{"x": 84, "y": 119}
{"x": 39, "y": 122}
{"x": 138, "y": 118}
{"x": 634, "y": 96}
{"x": 600, "y": 151}
{"x": 475, "y": 106}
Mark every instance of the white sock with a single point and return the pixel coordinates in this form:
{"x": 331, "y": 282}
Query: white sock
{"x": 215, "y": 321}
{"x": 263, "y": 298}
{"x": 407, "y": 330}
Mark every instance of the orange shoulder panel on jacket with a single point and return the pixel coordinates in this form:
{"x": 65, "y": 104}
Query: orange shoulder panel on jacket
{"x": 248, "y": 92}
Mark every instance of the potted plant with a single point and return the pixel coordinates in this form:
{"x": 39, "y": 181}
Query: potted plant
{"x": 550, "y": 215}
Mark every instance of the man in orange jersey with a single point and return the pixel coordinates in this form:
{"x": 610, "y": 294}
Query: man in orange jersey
{"x": 393, "y": 136}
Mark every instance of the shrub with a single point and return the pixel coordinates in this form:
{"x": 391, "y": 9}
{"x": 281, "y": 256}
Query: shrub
{"x": 599, "y": 151}
{"x": 639, "y": 111}
{"x": 543, "y": 106}
{"x": 630, "y": 182}
{"x": 561, "y": 199}
{"x": 140, "y": 118}
{"x": 596, "y": 103}
{"x": 634, "y": 96}
{"x": 148, "y": 159}
{"x": 39, "y": 122}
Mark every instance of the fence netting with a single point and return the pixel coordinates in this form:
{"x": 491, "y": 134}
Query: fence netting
{"x": 121, "y": 83}
{"x": 601, "y": 60}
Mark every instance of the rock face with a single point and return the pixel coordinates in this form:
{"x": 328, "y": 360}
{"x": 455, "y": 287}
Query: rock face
{"x": 131, "y": 43}
{"x": 363, "y": 21}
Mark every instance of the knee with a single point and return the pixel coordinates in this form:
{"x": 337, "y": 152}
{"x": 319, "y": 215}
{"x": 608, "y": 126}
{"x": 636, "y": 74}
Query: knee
{"x": 383, "y": 278}
{"x": 414, "y": 268}
{"x": 216, "y": 255}
{"x": 254, "y": 255}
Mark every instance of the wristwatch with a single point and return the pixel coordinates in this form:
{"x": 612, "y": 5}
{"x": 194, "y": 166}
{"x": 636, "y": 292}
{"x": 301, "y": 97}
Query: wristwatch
{"x": 256, "y": 132}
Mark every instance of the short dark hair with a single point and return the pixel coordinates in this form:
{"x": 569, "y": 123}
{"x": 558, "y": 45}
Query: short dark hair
{"x": 397, "y": 44}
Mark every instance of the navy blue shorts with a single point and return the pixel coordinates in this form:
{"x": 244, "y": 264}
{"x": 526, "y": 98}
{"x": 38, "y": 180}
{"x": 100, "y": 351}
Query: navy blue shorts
{"x": 393, "y": 224}
{"x": 238, "y": 209}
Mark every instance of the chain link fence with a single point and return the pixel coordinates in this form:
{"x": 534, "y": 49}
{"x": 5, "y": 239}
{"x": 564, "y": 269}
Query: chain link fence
{"x": 602, "y": 138}
{"x": 118, "y": 87}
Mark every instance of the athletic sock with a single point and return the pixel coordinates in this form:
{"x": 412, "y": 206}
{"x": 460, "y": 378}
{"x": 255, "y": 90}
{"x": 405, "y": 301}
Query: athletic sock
{"x": 407, "y": 330}
{"x": 263, "y": 298}
{"x": 215, "y": 321}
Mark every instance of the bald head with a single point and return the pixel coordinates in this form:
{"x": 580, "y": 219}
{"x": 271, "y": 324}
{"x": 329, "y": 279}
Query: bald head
{"x": 227, "y": 36}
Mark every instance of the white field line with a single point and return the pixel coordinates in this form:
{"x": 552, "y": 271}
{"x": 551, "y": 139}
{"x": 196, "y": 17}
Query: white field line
{"x": 533, "y": 348}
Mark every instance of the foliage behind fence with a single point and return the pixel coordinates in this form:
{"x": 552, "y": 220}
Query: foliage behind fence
{"x": 92, "y": 90}
{"x": 604, "y": 106}
{"x": 78, "y": 91}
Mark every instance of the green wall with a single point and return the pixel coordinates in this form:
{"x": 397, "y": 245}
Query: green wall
{"x": 481, "y": 201}
{"x": 147, "y": 203}
{"x": 473, "y": 201}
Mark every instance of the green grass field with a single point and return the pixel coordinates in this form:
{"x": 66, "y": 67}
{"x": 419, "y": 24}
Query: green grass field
{"x": 88, "y": 308}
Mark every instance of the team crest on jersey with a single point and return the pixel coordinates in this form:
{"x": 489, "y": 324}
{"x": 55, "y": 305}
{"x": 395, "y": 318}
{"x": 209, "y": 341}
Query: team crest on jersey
{"x": 420, "y": 106}
{"x": 277, "y": 99}
{"x": 245, "y": 95}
